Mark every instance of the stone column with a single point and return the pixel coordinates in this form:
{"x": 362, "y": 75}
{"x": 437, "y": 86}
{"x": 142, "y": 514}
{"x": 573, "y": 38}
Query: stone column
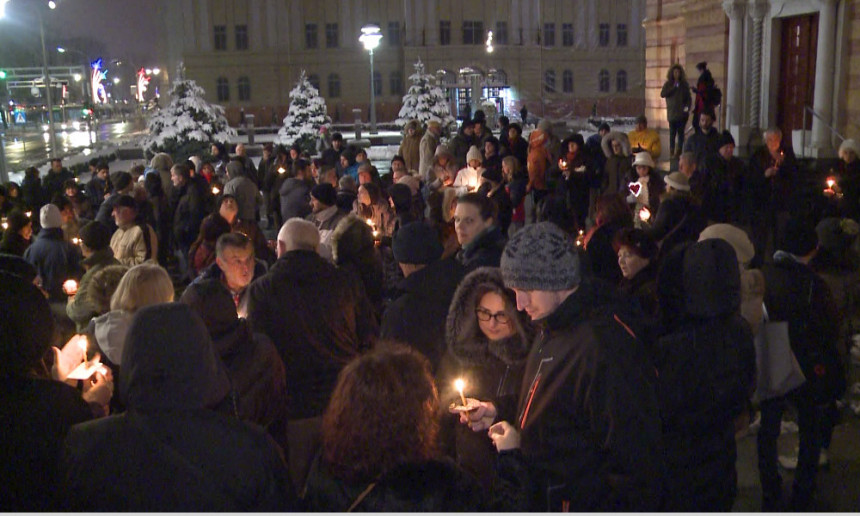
{"x": 734, "y": 80}
{"x": 757, "y": 12}
{"x": 824, "y": 71}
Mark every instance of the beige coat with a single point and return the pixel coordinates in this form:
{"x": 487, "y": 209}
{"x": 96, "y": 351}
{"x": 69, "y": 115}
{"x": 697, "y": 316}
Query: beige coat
{"x": 129, "y": 247}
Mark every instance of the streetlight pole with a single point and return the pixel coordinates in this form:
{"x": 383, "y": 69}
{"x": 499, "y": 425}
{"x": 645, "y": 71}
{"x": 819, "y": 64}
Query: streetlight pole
{"x": 370, "y": 36}
{"x": 49, "y": 95}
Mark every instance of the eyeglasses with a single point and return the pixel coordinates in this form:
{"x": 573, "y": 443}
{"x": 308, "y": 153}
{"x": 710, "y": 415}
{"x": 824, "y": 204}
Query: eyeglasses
{"x": 486, "y": 315}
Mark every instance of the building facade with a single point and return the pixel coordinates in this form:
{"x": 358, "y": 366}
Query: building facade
{"x": 793, "y": 64}
{"x": 558, "y": 58}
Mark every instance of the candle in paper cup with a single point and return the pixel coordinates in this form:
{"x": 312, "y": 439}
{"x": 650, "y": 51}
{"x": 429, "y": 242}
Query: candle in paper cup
{"x": 70, "y": 287}
{"x": 644, "y": 214}
{"x": 460, "y": 384}
{"x": 830, "y": 182}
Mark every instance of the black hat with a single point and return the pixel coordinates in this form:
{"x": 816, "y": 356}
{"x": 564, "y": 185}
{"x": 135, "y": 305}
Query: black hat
{"x": 125, "y": 200}
{"x": 325, "y": 193}
{"x": 416, "y": 243}
{"x": 96, "y": 235}
{"x": 121, "y": 180}
{"x": 799, "y": 238}
{"x": 468, "y": 123}
{"x": 725, "y": 138}
{"x": 493, "y": 174}
{"x": 702, "y": 65}
{"x": 638, "y": 241}
{"x": 603, "y": 127}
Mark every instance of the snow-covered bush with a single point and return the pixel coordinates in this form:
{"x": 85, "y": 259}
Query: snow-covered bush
{"x": 188, "y": 125}
{"x": 425, "y": 101}
{"x": 306, "y": 116}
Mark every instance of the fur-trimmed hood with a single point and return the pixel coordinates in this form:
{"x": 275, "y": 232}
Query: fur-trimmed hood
{"x": 351, "y": 239}
{"x": 462, "y": 334}
{"x": 606, "y": 143}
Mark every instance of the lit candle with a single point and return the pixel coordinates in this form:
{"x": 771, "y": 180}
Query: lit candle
{"x": 215, "y": 190}
{"x": 369, "y": 222}
{"x": 282, "y": 170}
{"x": 70, "y": 287}
{"x": 76, "y": 241}
{"x": 831, "y": 182}
{"x": 460, "y": 384}
{"x": 29, "y": 214}
{"x": 644, "y": 214}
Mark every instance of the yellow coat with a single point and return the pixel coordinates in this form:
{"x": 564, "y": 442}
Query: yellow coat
{"x": 648, "y": 139}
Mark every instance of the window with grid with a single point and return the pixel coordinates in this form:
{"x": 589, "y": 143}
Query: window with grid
{"x": 222, "y": 89}
{"x": 310, "y": 35}
{"x": 604, "y": 35}
{"x": 377, "y": 83}
{"x": 220, "y": 37}
{"x": 444, "y": 32}
{"x": 334, "y": 85}
{"x": 567, "y": 34}
{"x": 549, "y": 81}
{"x": 603, "y": 81}
{"x": 395, "y": 82}
{"x": 500, "y": 37}
{"x": 567, "y": 81}
{"x": 473, "y": 33}
{"x": 621, "y": 81}
{"x": 393, "y": 34}
{"x": 331, "y": 35}
{"x": 621, "y": 30}
{"x": 241, "y": 37}
{"x": 244, "y": 86}
{"x": 549, "y": 34}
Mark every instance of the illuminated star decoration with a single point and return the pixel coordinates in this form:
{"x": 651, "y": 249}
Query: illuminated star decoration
{"x": 99, "y": 75}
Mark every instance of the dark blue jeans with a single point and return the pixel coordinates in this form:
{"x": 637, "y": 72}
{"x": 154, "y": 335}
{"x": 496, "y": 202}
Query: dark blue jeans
{"x": 809, "y": 417}
{"x": 676, "y": 132}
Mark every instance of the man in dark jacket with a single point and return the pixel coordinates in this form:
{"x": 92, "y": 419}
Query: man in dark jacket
{"x": 705, "y": 140}
{"x": 295, "y": 192}
{"x": 706, "y": 371}
{"x": 55, "y": 259}
{"x": 97, "y": 186}
{"x": 54, "y": 179}
{"x": 122, "y": 185}
{"x": 723, "y": 194}
{"x": 586, "y": 433}
{"x": 188, "y": 207}
{"x": 170, "y": 451}
{"x": 417, "y": 315}
{"x": 794, "y": 293}
{"x": 235, "y": 267}
{"x": 480, "y": 237}
{"x": 331, "y": 156}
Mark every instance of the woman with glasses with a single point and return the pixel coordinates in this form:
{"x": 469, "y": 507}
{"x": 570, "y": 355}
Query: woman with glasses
{"x": 488, "y": 341}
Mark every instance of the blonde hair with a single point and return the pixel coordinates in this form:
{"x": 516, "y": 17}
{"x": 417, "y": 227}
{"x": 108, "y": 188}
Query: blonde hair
{"x": 143, "y": 285}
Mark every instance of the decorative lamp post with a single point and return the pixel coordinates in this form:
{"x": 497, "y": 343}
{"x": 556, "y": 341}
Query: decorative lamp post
{"x": 370, "y": 36}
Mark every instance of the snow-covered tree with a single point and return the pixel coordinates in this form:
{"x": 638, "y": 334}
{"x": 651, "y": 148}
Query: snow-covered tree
{"x": 188, "y": 125}
{"x": 425, "y": 101}
{"x": 307, "y": 115}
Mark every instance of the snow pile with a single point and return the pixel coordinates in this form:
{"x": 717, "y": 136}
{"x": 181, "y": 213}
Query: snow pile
{"x": 425, "y": 101}
{"x": 306, "y": 117}
{"x": 188, "y": 125}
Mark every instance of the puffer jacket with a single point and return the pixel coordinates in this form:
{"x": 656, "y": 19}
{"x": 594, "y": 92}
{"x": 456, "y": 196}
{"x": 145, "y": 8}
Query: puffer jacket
{"x": 706, "y": 365}
{"x": 492, "y": 370}
{"x": 678, "y": 98}
{"x": 168, "y": 451}
{"x": 79, "y": 308}
{"x": 587, "y": 415}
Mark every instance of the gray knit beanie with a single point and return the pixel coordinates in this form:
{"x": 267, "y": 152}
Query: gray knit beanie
{"x": 540, "y": 257}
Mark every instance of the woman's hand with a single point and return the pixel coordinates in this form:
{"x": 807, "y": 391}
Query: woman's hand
{"x": 70, "y": 357}
{"x": 504, "y": 436}
{"x": 480, "y": 415}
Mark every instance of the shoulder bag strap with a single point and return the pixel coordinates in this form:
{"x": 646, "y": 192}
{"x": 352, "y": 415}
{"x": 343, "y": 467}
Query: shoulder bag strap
{"x": 361, "y": 497}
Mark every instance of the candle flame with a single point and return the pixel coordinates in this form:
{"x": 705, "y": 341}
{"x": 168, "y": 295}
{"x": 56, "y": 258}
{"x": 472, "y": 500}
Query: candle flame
{"x": 76, "y": 241}
{"x": 830, "y": 182}
{"x": 644, "y": 213}
{"x": 281, "y": 170}
{"x": 459, "y": 384}
{"x": 215, "y": 190}
{"x": 29, "y": 214}
{"x": 369, "y": 222}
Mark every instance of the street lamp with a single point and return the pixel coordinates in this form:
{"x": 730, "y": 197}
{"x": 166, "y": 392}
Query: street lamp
{"x": 77, "y": 77}
{"x": 370, "y": 36}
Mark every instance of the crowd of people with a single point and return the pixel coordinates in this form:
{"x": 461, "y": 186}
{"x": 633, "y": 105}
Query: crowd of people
{"x": 511, "y": 323}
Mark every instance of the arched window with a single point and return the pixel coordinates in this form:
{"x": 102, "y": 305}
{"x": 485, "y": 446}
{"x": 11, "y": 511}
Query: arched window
{"x": 222, "y": 89}
{"x": 334, "y": 86}
{"x": 244, "y": 88}
{"x": 621, "y": 81}
{"x": 567, "y": 81}
{"x": 549, "y": 81}
{"x": 315, "y": 81}
{"x": 604, "y": 81}
{"x": 377, "y": 83}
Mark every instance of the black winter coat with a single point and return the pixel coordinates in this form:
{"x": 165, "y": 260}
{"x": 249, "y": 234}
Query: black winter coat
{"x": 725, "y": 197}
{"x": 706, "y": 371}
{"x": 602, "y": 257}
{"x": 417, "y": 315}
{"x": 35, "y": 416}
{"x": 55, "y": 261}
{"x": 484, "y": 251}
{"x": 188, "y": 212}
{"x": 775, "y": 193}
{"x": 587, "y": 415}
{"x": 431, "y": 486}
{"x": 680, "y": 219}
{"x": 319, "y": 319}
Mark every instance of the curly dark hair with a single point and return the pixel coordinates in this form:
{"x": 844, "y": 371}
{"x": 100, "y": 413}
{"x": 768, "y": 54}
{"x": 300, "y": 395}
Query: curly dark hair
{"x": 382, "y": 413}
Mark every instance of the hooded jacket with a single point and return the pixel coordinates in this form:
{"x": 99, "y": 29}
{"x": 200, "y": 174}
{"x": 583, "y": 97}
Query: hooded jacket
{"x": 318, "y": 317}
{"x": 677, "y": 95}
{"x": 618, "y": 166}
{"x": 168, "y": 452}
{"x": 353, "y": 249}
{"x": 706, "y": 365}
{"x": 493, "y": 370}
{"x": 409, "y": 147}
{"x": 79, "y": 309}
{"x": 587, "y": 415}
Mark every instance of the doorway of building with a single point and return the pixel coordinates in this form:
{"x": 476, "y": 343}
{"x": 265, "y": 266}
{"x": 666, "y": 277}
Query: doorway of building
{"x": 797, "y": 72}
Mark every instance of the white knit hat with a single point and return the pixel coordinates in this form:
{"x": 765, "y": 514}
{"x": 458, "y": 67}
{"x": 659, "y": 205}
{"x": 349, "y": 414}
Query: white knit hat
{"x": 49, "y": 216}
{"x": 473, "y": 153}
{"x": 850, "y": 144}
{"x": 644, "y": 158}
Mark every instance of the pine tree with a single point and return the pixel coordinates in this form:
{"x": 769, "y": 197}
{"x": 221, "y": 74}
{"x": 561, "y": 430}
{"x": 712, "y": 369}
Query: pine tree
{"x": 188, "y": 126}
{"x": 425, "y": 101}
{"x": 307, "y": 115}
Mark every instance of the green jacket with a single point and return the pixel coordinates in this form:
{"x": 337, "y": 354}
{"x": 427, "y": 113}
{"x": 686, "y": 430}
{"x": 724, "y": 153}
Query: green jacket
{"x": 79, "y": 309}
